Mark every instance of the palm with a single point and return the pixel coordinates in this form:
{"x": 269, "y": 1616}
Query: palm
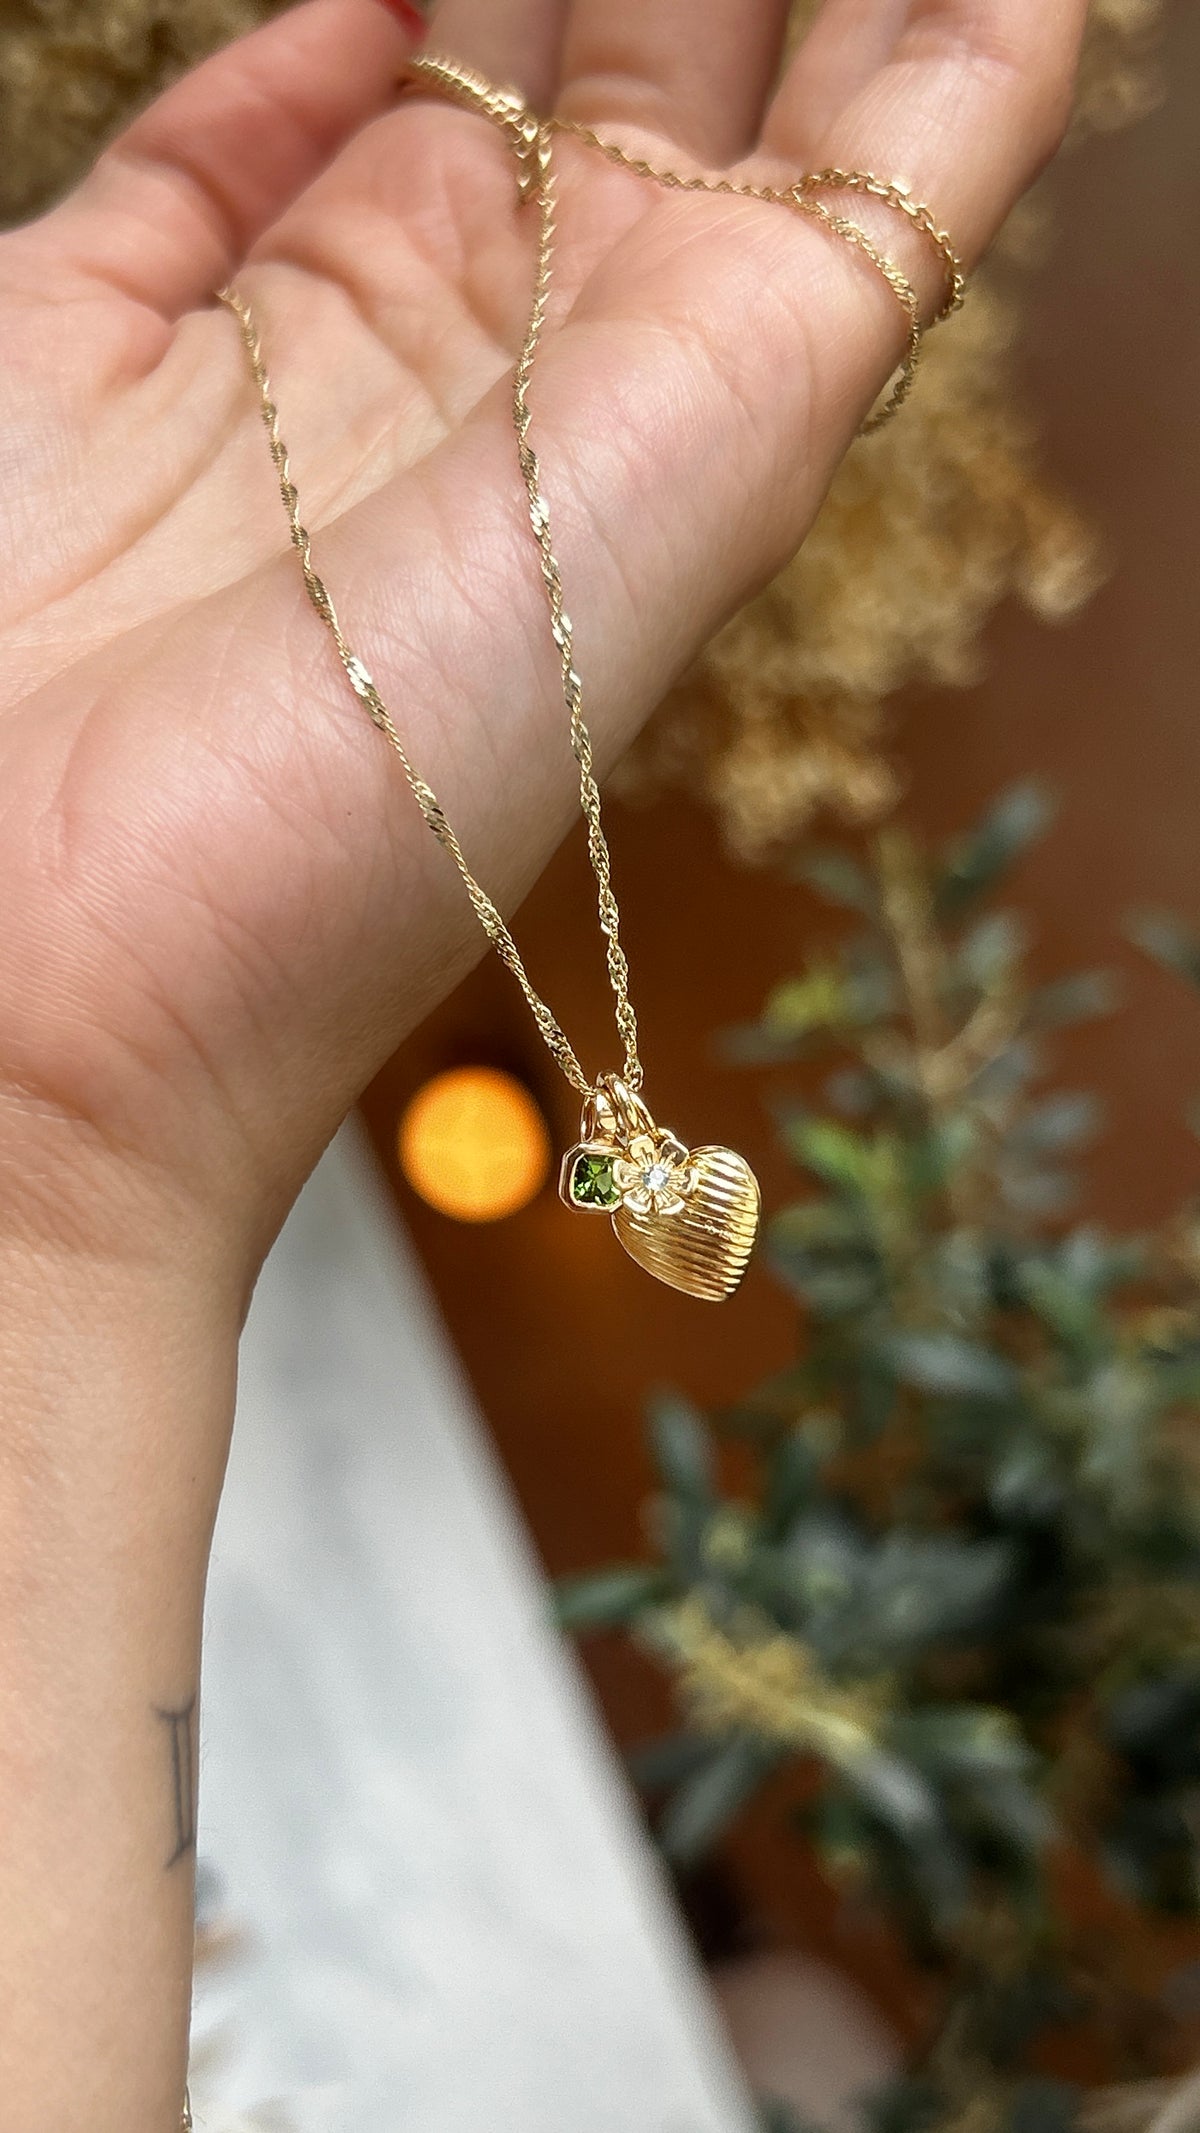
{"x": 221, "y": 906}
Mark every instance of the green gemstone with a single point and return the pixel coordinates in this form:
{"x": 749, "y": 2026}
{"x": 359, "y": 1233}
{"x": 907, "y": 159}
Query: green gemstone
{"x": 592, "y": 1181}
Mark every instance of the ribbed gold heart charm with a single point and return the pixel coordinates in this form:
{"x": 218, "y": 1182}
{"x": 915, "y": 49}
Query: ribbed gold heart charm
{"x": 687, "y": 1216}
{"x": 703, "y": 1247}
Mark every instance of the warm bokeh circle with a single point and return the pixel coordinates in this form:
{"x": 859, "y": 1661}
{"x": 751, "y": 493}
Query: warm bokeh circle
{"x": 473, "y": 1143}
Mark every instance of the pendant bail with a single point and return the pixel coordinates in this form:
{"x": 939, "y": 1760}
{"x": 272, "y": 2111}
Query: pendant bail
{"x": 614, "y": 1118}
{"x": 616, "y": 1112}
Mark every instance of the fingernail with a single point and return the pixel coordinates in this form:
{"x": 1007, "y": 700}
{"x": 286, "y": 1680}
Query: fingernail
{"x": 409, "y": 17}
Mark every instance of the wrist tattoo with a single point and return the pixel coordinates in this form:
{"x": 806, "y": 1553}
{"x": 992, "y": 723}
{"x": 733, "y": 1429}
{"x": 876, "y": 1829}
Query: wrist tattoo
{"x": 179, "y": 1725}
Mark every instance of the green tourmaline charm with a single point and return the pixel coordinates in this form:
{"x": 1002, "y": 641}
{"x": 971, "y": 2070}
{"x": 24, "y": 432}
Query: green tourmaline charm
{"x": 589, "y": 1179}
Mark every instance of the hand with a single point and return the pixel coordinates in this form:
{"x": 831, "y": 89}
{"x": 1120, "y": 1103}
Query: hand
{"x": 222, "y": 909}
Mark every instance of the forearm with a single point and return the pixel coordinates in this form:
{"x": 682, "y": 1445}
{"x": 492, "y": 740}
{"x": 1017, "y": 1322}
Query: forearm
{"x": 116, "y": 1395}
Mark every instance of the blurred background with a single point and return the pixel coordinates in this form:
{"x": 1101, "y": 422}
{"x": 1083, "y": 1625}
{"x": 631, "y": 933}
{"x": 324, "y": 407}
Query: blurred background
{"x": 886, "y": 1577}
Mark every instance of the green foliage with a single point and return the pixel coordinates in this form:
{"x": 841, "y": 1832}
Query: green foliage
{"x": 961, "y": 1590}
{"x": 975, "y": 863}
{"x": 780, "y": 2118}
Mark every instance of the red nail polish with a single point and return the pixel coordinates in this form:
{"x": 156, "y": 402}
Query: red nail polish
{"x": 409, "y": 17}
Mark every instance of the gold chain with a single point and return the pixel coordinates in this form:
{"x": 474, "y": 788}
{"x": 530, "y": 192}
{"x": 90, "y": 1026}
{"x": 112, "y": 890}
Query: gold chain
{"x": 530, "y": 139}
{"x": 895, "y": 193}
{"x": 560, "y": 621}
{"x": 798, "y": 196}
{"x": 891, "y": 191}
{"x": 365, "y": 689}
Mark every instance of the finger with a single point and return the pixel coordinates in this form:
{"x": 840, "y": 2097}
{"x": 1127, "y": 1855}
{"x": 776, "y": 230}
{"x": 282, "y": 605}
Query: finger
{"x": 172, "y": 208}
{"x": 699, "y": 71}
{"x": 848, "y": 42}
{"x": 968, "y": 106}
{"x": 515, "y": 43}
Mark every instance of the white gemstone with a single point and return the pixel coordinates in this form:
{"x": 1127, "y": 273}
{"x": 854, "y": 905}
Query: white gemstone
{"x": 655, "y": 1176}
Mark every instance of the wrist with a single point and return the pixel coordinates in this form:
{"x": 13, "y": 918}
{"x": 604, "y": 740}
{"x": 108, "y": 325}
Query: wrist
{"x": 117, "y": 1372}
{"x": 75, "y": 1207}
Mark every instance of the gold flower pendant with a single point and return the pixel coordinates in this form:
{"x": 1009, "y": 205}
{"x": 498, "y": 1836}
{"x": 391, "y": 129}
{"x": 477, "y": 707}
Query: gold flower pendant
{"x": 688, "y": 1216}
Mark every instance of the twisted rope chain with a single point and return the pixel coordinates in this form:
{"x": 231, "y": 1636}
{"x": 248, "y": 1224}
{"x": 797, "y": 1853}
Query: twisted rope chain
{"x": 891, "y": 191}
{"x": 799, "y": 197}
{"x": 560, "y": 621}
{"x": 368, "y": 694}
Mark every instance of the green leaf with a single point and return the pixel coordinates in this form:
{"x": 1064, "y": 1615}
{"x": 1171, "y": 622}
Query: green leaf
{"x": 817, "y": 1001}
{"x": 683, "y": 1449}
{"x": 924, "y": 1588}
{"x": 988, "y": 952}
{"x": 707, "y": 1802}
{"x": 825, "y": 1251}
{"x": 853, "y": 1092}
{"x": 953, "y": 1739}
{"x": 776, "y": 2117}
{"x": 1058, "y": 1122}
{"x": 839, "y": 879}
{"x": 896, "y": 1793}
{"x": 792, "y": 1477}
{"x": 833, "y": 1153}
{"x": 819, "y": 1225}
{"x": 1174, "y": 1384}
{"x": 934, "y": 1158}
{"x": 960, "y": 1275}
{"x": 1085, "y": 997}
{"x": 1099, "y": 1263}
{"x": 870, "y": 1398}
{"x": 606, "y": 1599}
{"x": 1003, "y": 1077}
{"x": 657, "y": 1765}
{"x": 782, "y": 1397}
{"x": 1150, "y": 1852}
{"x": 814, "y": 1581}
{"x": 867, "y": 1168}
{"x": 1067, "y": 1307}
{"x": 1043, "y": 2106}
{"x": 985, "y": 1770}
{"x": 947, "y": 1365}
{"x": 977, "y": 861}
{"x": 1155, "y": 1721}
{"x": 1119, "y": 1397}
{"x": 1034, "y": 1194}
{"x": 1169, "y": 941}
{"x": 1027, "y": 1485}
{"x": 833, "y": 1288}
{"x": 838, "y": 1827}
{"x": 909, "y": 2104}
{"x": 916, "y": 1850}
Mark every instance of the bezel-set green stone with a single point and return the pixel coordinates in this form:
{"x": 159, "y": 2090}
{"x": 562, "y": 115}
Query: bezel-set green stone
{"x": 588, "y": 1180}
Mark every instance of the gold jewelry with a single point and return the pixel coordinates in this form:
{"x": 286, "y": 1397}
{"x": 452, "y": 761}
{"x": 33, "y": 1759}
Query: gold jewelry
{"x": 690, "y": 1217}
{"x": 506, "y": 108}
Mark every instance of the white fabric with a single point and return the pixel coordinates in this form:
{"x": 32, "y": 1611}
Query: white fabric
{"x": 451, "y": 1921}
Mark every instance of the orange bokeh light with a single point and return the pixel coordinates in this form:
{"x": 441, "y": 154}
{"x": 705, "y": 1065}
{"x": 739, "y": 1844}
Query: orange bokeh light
{"x": 474, "y": 1145}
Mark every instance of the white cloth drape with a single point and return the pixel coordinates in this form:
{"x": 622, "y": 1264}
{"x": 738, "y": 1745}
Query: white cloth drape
{"x": 450, "y": 1921}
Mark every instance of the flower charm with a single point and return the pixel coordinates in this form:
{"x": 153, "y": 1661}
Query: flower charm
{"x": 654, "y": 1175}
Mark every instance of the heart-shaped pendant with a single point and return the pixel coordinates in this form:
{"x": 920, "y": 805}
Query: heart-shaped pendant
{"x": 704, "y": 1246}
{"x": 690, "y": 1218}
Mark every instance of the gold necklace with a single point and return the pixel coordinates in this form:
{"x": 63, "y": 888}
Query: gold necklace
{"x": 688, "y": 1216}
